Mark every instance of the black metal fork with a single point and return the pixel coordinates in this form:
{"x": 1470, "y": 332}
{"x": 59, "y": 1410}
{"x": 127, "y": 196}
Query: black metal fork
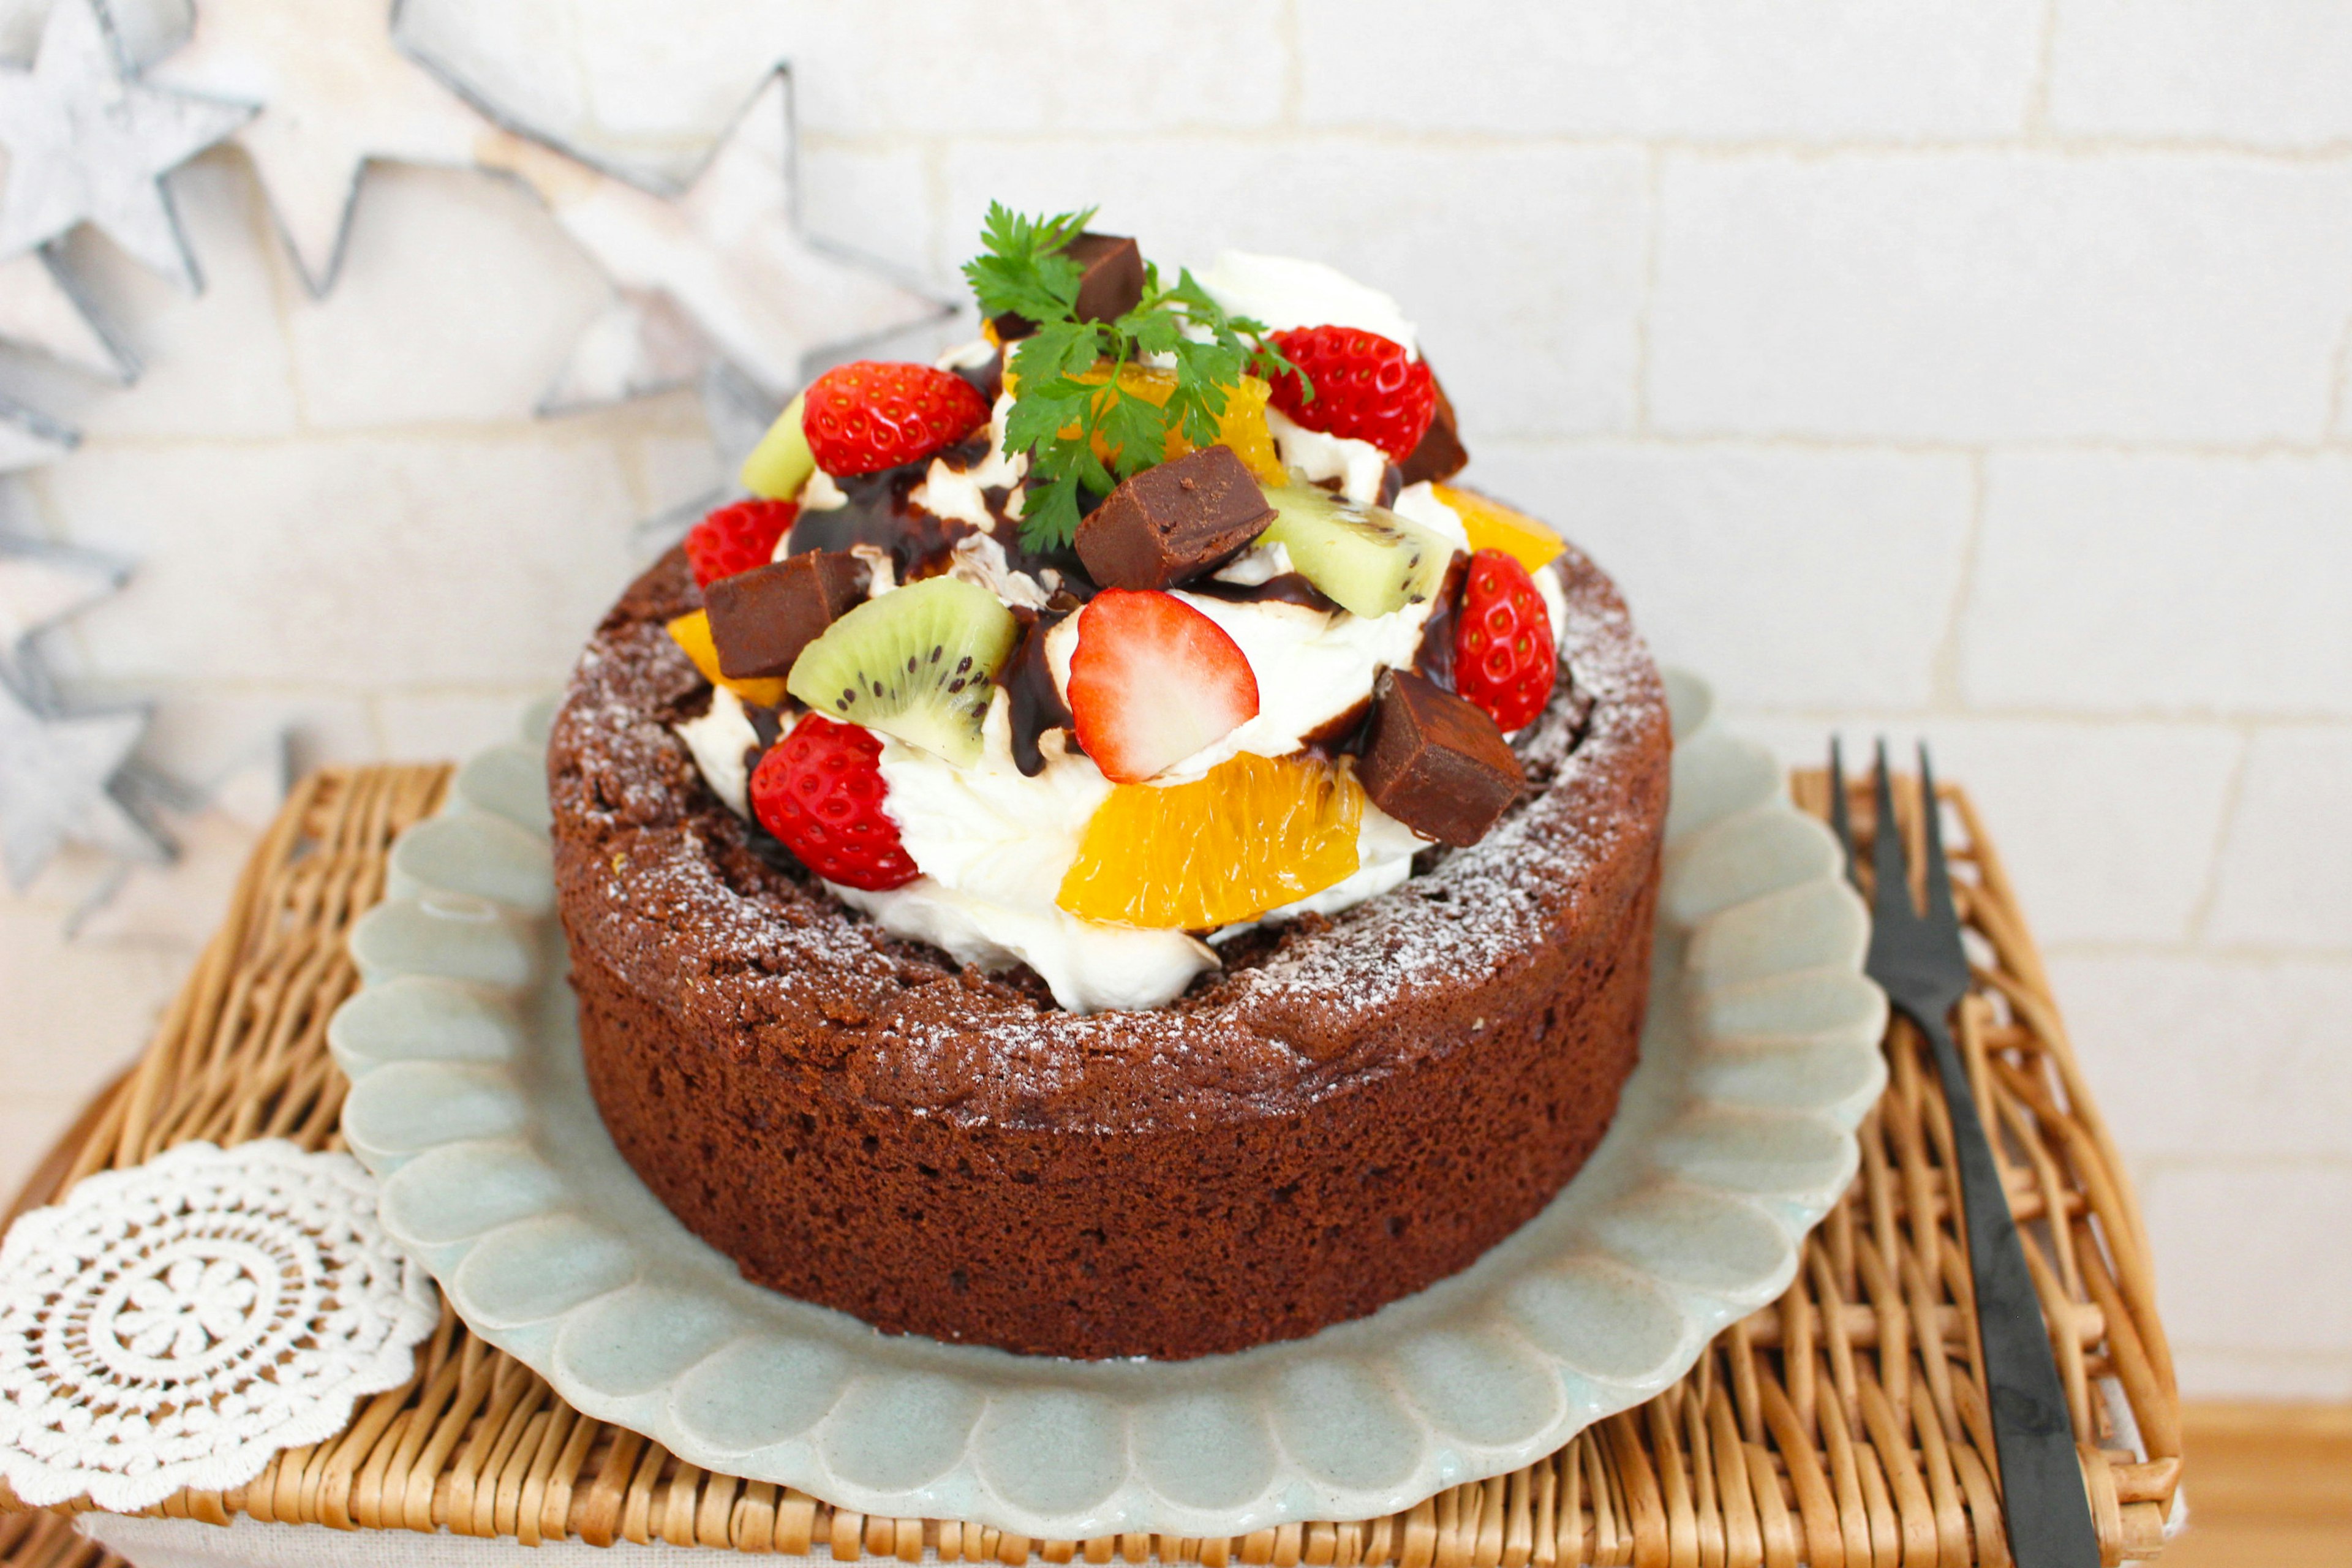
{"x": 1916, "y": 956}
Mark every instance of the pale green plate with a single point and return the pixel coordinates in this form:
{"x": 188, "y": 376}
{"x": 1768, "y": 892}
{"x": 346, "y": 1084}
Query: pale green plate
{"x": 1735, "y": 1136}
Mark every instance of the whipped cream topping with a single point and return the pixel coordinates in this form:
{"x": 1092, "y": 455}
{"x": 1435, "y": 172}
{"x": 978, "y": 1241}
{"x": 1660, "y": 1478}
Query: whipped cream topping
{"x": 1283, "y": 291}
{"x": 720, "y": 742}
{"x": 1358, "y": 466}
{"x": 994, "y": 845}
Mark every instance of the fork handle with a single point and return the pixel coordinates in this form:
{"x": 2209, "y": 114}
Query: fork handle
{"x": 2042, "y": 1495}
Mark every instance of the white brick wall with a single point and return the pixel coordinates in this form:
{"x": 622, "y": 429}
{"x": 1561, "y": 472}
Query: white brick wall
{"x": 2285, "y": 873}
{"x": 1980, "y": 370}
{"x": 2011, "y": 295}
{"x": 2256, "y": 73}
{"x": 1708, "y": 70}
{"x": 2163, "y": 583}
{"x": 1865, "y": 550}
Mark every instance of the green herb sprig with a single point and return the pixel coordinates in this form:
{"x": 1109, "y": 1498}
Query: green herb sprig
{"x": 1023, "y": 268}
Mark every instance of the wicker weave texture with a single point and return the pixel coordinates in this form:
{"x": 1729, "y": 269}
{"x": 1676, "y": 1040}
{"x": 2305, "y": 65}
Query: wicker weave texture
{"x": 1844, "y": 1426}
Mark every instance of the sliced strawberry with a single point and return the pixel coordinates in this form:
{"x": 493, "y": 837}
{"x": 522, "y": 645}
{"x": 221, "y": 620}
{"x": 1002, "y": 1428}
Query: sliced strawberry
{"x": 820, "y": 789}
{"x": 737, "y": 538}
{"x": 1153, "y": 681}
{"x": 1504, "y": 656}
{"x": 1367, "y": 387}
{"x": 874, "y": 414}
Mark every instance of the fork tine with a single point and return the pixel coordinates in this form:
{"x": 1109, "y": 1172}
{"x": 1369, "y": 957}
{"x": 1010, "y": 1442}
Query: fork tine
{"x": 1840, "y": 819}
{"x": 1941, "y": 912}
{"x": 1887, "y": 849}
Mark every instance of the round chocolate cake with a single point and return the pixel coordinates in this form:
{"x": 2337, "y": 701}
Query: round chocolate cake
{"x": 1107, "y": 852}
{"x": 1350, "y": 1109}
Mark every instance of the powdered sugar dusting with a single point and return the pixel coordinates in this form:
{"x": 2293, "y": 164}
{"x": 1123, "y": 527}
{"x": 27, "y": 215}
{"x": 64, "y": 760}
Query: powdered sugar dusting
{"x": 673, "y": 892}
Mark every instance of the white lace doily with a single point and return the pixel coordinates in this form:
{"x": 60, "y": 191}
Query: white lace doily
{"x": 175, "y": 1324}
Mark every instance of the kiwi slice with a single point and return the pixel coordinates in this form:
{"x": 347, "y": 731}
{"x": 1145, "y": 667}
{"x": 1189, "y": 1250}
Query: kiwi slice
{"x": 1366, "y": 558}
{"x": 781, "y": 464}
{"x": 915, "y": 663}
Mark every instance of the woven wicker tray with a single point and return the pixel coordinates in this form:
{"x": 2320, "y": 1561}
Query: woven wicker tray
{"x": 1846, "y": 1425}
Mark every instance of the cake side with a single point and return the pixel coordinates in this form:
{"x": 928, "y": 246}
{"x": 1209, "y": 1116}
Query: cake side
{"x": 1168, "y": 1242}
{"x": 1348, "y": 1110}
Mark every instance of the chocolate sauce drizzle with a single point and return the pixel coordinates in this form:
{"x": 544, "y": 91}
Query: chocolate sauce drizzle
{"x": 879, "y": 515}
{"x": 1435, "y": 656}
{"x": 767, "y": 723}
{"x": 1031, "y": 703}
{"x": 1342, "y": 735}
{"x": 987, "y": 378}
{"x": 1284, "y": 588}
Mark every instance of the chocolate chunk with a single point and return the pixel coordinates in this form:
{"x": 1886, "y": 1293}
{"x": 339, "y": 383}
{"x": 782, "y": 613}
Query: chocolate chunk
{"x": 1439, "y": 455}
{"x": 1436, "y": 762}
{"x": 1392, "y": 484}
{"x": 1180, "y": 520}
{"x": 761, "y": 619}
{"x": 1111, "y": 282}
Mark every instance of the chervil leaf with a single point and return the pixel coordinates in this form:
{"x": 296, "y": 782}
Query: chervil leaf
{"x": 1051, "y": 520}
{"x": 1041, "y": 412}
{"x": 1021, "y": 268}
{"x": 1152, "y": 331}
{"x": 1058, "y": 349}
{"x": 1267, "y": 361}
{"x": 1135, "y": 430}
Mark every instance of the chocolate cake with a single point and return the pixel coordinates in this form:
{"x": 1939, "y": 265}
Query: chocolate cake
{"x": 1109, "y": 852}
{"x": 1350, "y": 1109}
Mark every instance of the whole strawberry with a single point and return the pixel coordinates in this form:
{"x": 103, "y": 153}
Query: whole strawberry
{"x": 819, "y": 790}
{"x": 737, "y": 538}
{"x": 1504, "y": 657}
{"x": 874, "y": 414}
{"x": 1367, "y": 387}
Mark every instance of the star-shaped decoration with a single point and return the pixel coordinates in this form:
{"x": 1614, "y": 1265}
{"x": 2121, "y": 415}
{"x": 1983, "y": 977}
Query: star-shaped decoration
{"x": 53, "y": 774}
{"x": 42, "y": 307}
{"x": 725, "y": 258}
{"x": 41, "y": 584}
{"x": 542, "y": 73}
{"x": 29, "y": 438}
{"x": 334, "y": 96}
{"x": 737, "y": 415}
{"x": 214, "y": 828}
{"x": 89, "y": 142}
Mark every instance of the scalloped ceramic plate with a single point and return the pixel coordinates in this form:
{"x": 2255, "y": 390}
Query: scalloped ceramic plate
{"x": 1734, "y": 1135}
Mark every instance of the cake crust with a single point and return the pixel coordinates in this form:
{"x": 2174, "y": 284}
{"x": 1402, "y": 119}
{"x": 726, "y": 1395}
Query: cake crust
{"x": 1352, "y": 1109}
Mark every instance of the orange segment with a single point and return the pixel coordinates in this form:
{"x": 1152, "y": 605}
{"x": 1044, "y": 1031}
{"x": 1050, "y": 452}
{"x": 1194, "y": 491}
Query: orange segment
{"x": 1241, "y": 426}
{"x": 1257, "y": 832}
{"x": 692, "y": 633}
{"x": 1494, "y": 526}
